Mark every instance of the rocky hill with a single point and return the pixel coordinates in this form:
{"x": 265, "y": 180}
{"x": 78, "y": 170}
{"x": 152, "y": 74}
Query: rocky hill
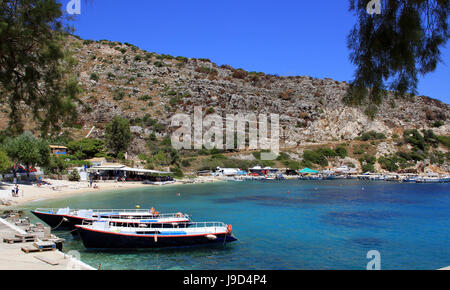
{"x": 148, "y": 88}
{"x": 121, "y": 79}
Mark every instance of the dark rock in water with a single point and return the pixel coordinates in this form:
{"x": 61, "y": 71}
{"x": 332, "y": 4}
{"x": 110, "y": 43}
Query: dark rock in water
{"x": 367, "y": 242}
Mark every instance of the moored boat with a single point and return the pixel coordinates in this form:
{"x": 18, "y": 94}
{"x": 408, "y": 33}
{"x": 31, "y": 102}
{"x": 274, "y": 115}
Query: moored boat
{"x": 66, "y": 218}
{"x": 410, "y": 179}
{"x": 429, "y": 180}
{"x": 107, "y": 235}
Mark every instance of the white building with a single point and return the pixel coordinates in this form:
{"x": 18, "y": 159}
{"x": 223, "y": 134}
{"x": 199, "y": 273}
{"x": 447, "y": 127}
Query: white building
{"x": 227, "y": 171}
{"x": 344, "y": 170}
{"x": 97, "y": 161}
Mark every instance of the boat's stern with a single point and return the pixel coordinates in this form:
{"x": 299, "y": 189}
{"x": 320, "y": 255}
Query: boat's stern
{"x": 230, "y": 238}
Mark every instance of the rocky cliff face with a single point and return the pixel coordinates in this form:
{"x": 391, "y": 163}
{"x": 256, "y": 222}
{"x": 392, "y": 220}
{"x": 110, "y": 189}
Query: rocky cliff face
{"x": 120, "y": 79}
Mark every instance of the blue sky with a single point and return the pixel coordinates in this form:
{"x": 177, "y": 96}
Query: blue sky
{"x": 284, "y": 37}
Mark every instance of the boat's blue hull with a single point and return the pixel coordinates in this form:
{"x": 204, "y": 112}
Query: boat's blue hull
{"x": 106, "y": 240}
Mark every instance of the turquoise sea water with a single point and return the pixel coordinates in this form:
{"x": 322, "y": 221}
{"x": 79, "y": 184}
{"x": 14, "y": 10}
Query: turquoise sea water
{"x": 289, "y": 225}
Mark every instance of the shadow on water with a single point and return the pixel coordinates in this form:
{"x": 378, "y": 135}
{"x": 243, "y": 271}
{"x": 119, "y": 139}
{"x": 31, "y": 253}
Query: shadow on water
{"x": 322, "y": 197}
{"x": 199, "y": 249}
{"x": 367, "y": 242}
{"x": 359, "y": 219}
{"x": 295, "y": 193}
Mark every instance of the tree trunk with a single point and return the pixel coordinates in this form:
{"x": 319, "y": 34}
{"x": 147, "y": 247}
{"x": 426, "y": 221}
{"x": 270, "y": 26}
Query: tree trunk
{"x": 15, "y": 170}
{"x": 28, "y": 172}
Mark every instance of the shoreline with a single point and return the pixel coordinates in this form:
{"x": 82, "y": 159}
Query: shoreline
{"x": 13, "y": 258}
{"x": 62, "y": 189}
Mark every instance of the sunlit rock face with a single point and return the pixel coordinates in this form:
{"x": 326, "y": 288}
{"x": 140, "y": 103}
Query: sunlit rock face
{"x": 120, "y": 79}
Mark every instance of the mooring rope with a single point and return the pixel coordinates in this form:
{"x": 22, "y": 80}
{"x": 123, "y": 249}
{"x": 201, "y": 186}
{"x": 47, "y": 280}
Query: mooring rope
{"x": 62, "y": 220}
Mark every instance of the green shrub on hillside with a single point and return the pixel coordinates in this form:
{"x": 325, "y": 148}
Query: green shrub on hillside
{"x": 182, "y": 59}
{"x": 368, "y": 167}
{"x": 186, "y": 163}
{"x": 326, "y": 152}
{"x": 110, "y": 76}
{"x": 86, "y": 148}
{"x": 371, "y": 111}
{"x": 389, "y": 163}
{"x": 283, "y": 156}
{"x": 437, "y": 124}
{"x": 371, "y": 135}
{"x": 444, "y": 140}
{"x": 414, "y": 138}
{"x": 319, "y": 156}
{"x": 341, "y": 151}
{"x": 218, "y": 156}
{"x": 430, "y": 138}
{"x": 315, "y": 157}
{"x": 94, "y": 77}
{"x": 177, "y": 172}
{"x": 145, "y": 98}
{"x": 292, "y": 164}
{"x": 368, "y": 162}
{"x": 437, "y": 157}
{"x": 119, "y": 94}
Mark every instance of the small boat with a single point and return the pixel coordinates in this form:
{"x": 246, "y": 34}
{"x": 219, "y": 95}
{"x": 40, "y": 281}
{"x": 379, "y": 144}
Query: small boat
{"x": 107, "y": 235}
{"x": 66, "y": 218}
{"x": 410, "y": 179}
{"x": 429, "y": 180}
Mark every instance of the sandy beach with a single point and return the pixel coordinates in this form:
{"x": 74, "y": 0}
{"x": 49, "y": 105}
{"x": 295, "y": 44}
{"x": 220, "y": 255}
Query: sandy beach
{"x": 64, "y": 188}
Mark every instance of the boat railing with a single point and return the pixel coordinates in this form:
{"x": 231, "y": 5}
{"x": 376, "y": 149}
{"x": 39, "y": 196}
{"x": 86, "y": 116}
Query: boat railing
{"x": 153, "y": 216}
{"x": 49, "y": 210}
{"x": 172, "y": 225}
{"x": 98, "y": 210}
{"x": 119, "y": 211}
{"x": 106, "y": 211}
{"x": 136, "y": 211}
{"x": 204, "y": 225}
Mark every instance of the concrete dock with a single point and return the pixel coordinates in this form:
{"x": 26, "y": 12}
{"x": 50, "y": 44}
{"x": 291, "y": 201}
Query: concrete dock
{"x": 13, "y": 258}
